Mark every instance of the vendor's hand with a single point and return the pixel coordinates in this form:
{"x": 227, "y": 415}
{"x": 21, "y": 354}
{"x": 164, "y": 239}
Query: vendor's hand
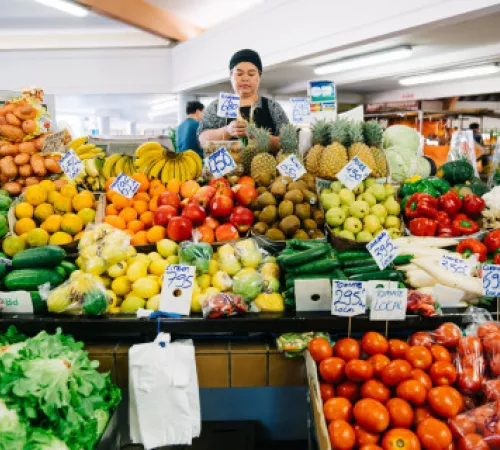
{"x": 237, "y": 129}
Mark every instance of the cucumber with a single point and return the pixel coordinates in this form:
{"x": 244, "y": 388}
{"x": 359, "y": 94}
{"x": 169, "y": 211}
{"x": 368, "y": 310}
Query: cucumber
{"x": 391, "y": 275}
{"x": 362, "y": 269}
{"x": 338, "y": 274}
{"x": 358, "y": 262}
{"x": 321, "y": 266}
{"x": 39, "y": 305}
{"x": 285, "y": 252}
{"x": 3, "y": 270}
{"x": 305, "y": 256}
{"x": 69, "y": 267}
{"x": 31, "y": 279}
{"x": 318, "y": 276}
{"x": 61, "y": 271}
{"x": 352, "y": 254}
{"x": 39, "y": 257}
{"x": 401, "y": 260}
{"x": 298, "y": 244}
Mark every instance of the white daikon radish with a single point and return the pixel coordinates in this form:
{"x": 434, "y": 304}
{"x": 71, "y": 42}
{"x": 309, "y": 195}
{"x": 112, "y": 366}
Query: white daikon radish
{"x": 422, "y": 252}
{"x": 420, "y": 278}
{"x": 427, "y": 241}
{"x": 407, "y": 267}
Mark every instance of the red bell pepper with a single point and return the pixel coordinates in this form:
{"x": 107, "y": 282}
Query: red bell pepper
{"x": 472, "y": 205}
{"x": 447, "y": 231}
{"x": 423, "y": 226}
{"x": 492, "y": 241}
{"x": 450, "y": 203}
{"x": 421, "y": 205}
{"x": 443, "y": 218}
{"x": 496, "y": 258}
{"x": 472, "y": 246}
{"x": 465, "y": 226}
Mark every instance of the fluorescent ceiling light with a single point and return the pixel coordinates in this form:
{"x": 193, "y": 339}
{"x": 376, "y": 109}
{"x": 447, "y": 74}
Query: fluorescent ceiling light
{"x": 450, "y": 75}
{"x": 67, "y": 7}
{"x": 164, "y": 105}
{"x": 369, "y": 59}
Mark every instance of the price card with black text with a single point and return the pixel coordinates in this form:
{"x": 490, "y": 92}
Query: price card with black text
{"x": 177, "y": 289}
{"x": 389, "y": 304}
{"x": 54, "y": 142}
{"x": 455, "y": 265}
{"x": 125, "y": 186}
{"x": 491, "y": 280}
{"x": 348, "y": 298}
{"x": 220, "y": 163}
{"x": 228, "y": 105}
{"x": 291, "y": 167}
{"x": 383, "y": 249}
{"x": 16, "y": 302}
{"x": 71, "y": 164}
{"x": 353, "y": 173}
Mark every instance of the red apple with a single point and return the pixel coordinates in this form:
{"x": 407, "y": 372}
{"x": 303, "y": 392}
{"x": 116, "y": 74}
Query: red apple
{"x": 179, "y": 229}
{"x": 246, "y": 180}
{"x": 221, "y": 206}
{"x": 224, "y": 190}
{"x": 245, "y": 194}
{"x": 226, "y": 232}
{"x": 219, "y": 182}
{"x": 211, "y": 222}
{"x": 242, "y": 218}
{"x": 207, "y": 191}
{"x": 201, "y": 200}
{"x": 195, "y": 213}
{"x": 169, "y": 198}
{"x": 163, "y": 215}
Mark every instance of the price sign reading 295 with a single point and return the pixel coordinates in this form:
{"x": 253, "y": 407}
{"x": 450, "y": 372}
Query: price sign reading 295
{"x": 491, "y": 280}
{"x": 383, "y": 249}
{"x": 348, "y": 298}
{"x": 220, "y": 163}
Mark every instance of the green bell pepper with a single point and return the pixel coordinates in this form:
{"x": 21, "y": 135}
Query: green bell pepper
{"x": 408, "y": 189}
{"x": 425, "y": 187}
{"x": 442, "y": 186}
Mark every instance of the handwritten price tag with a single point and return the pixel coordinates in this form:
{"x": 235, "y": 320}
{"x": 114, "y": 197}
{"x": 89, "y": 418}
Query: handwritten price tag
{"x": 177, "y": 289}
{"x": 348, "y": 298}
{"x": 353, "y": 173}
{"x": 125, "y": 186}
{"x": 491, "y": 280}
{"x": 389, "y": 304}
{"x": 455, "y": 265}
{"x": 71, "y": 164}
{"x": 383, "y": 249}
{"x": 54, "y": 142}
{"x": 301, "y": 109}
{"x": 291, "y": 167}
{"x": 228, "y": 105}
{"x": 16, "y": 302}
{"x": 220, "y": 163}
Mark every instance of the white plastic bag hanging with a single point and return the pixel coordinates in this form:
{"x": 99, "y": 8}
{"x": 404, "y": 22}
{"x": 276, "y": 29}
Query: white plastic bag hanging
{"x": 463, "y": 146}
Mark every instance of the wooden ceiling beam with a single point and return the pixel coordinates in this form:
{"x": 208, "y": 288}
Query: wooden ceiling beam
{"x": 146, "y": 16}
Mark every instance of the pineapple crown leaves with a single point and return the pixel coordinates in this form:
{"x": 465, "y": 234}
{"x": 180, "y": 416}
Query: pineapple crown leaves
{"x": 356, "y": 132}
{"x": 341, "y": 132}
{"x": 262, "y": 140}
{"x": 321, "y": 132}
{"x": 251, "y": 131}
{"x": 373, "y": 133}
{"x": 288, "y": 138}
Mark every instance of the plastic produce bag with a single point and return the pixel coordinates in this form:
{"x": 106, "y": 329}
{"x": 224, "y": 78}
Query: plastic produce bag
{"x": 223, "y": 305}
{"x": 196, "y": 254}
{"x": 294, "y": 344}
{"x": 494, "y": 176}
{"x": 463, "y": 146}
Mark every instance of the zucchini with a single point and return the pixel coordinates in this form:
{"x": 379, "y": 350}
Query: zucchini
{"x": 391, "y": 275}
{"x": 39, "y": 305}
{"x": 38, "y": 257}
{"x": 305, "y": 256}
{"x": 352, "y": 254}
{"x": 321, "y": 266}
{"x": 363, "y": 269}
{"x": 358, "y": 262}
{"x": 61, "y": 271}
{"x": 402, "y": 260}
{"x": 31, "y": 279}
{"x": 69, "y": 267}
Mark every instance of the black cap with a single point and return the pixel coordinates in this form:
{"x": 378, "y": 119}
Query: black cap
{"x": 246, "y": 55}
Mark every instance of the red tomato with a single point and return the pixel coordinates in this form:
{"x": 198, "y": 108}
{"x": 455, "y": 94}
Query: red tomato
{"x": 364, "y": 437}
{"x": 397, "y": 348}
{"x": 347, "y": 349}
{"x": 488, "y": 329}
{"x": 378, "y": 362}
{"x": 376, "y": 390}
{"x": 371, "y": 415}
{"x": 169, "y": 198}
{"x": 419, "y": 357}
{"x": 358, "y": 370}
{"x": 421, "y": 413}
{"x": 420, "y": 375}
{"x": 474, "y": 361}
{"x": 434, "y": 434}
{"x": 179, "y": 229}
{"x": 400, "y": 439}
{"x": 445, "y": 401}
{"x": 400, "y": 413}
{"x": 472, "y": 441}
{"x": 332, "y": 369}
{"x": 320, "y": 349}
{"x": 421, "y": 338}
{"x": 443, "y": 373}
{"x": 495, "y": 365}
{"x": 371, "y": 447}
{"x": 326, "y": 391}
{"x": 412, "y": 391}
{"x": 491, "y": 344}
{"x": 469, "y": 380}
{"x": 470, "y": 345}
{"x": 484, "y": 416}
{"x": 491, "y": 390}
{"x": 374, "y": 343}
{"x": 461, "y": 425}
{"x": 447, "y": 334}
{"x": 395, "y": 372}
{"x": 348, "y": 390}
{"x": 342, "y": 435}
{"x": 221, "y": 206}
{"x": 338, "y": 408}
{"x": 440, "y": 353}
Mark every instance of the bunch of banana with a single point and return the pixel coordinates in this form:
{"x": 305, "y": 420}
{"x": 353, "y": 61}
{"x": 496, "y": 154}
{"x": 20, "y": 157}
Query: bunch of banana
{"x": 158, "y": 163}
{"x": 91, "y": 176}
{"x": 84, "y": 150}
{"x": 116, "y": 164}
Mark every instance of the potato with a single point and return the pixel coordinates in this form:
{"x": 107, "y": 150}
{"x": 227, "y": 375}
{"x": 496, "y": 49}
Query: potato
{"x": 3, "y": 120}
{"x": 28, "y": 147}
{"x": 25, "y": 112}
{"x": 52, "y": 165}
{"x": 8, "y": 168}
{"x": 25, "y": 170}
{"x": 38, "y": 165}
{"x": 9, "y": 150}
{"x": 7, "y": 108}
{"x": 12, "y": 133}
{"x": 12, "y": 120}
{"x": 29, "y": 126}
{"x": 32, "y": 180}
{"x": 21, "y": 159}
{"x": 12, "y": 188}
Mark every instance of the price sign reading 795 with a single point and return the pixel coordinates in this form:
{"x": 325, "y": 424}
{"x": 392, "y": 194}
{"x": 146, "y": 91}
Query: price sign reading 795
{"x": 383, "y": 249}
{"x": 177, "y": 289}
{"x": 220, "y": 163}
{"x": 491, "y": 280}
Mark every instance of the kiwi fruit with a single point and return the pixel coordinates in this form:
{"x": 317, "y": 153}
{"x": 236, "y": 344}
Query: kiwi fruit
{"x": 261, "y": 190}
{"x": 295, "y": 196}
{"x": 289, "y": 225}
{"x": 269, "y": 214}
{"x": 319, "y": 217}
{"x": 300, "y": 185}
{"x": 285, "y": 180}
{"x": 310, "y": 197}
{"x": 275, "y": 225}
{"x": 233, "y": 179}
{"x": 256, "y": 215}
{"x": 266, "y": 199}
{"x": 301, "y": 234}
{"x": 318, "y": 234}
{"x": 309, "y": 180}
{"x": 260, "y": 228}
{"x": 264, "y": 179}
{"x": 254, "y": 204}
{"x": 275, "y": 234}
{"x": 309, "y": 225}
{"x": 285, "y": 209}
{"x": 278, "y": 188}
{"x": 303, "y": 211}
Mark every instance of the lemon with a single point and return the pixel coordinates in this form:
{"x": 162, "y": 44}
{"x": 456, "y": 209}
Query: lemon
{"x": 131, "y": 304}
{"x": 153, "y": 256}
{"x": 143, "y": 258}
{"x": 112, "y": 297}
{"x": 174, "y": 259}
{"x": 87, "y": 215}
{"x": 53, "y": 196}
{"x": 117, "y": 270}
{"x": 43, "y": 211}
{"x": 154, "y": 302}
{"x": 60, "y": 238}
{"x": 131, "y": 251}
{"x": 81, "y": 201}
{"x": 24, "y": 210}
{"x": 52, "y": 223}
{"x": 37, "y": 237}
{"x": 213, "y": 267}
{"x": 13, "y": 244}
{"x": 167, "y": 248}
{"x": 113, "y": 252}
{"x": 196, "y": 300}
{"x": 137, "y": 270}
{"x": 121, "y": 286}
{"x": 145, "y": 287}
{"x": 106, "y": 281}
{"x": 24, "y": 225}
{"x": 158, "y": 266}
{"x": 71, "y": 224}
{"x": 68, "y": 191}
{"x": 35, "y": 195}
{"x": 204, "y": 281}
{"x": 95, "y": 265}
{"x": 47, "y": 185}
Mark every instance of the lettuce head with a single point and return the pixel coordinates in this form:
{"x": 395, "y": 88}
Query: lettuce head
{"x": 401, "y": 136}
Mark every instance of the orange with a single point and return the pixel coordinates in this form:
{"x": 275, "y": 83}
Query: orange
{"x": 110, "y": 195}
{"x": 120, "y": 202}
{"x": 141, "y": 196}
{"x": 156, "y": 234}
{"x": 111, "y": 210}
{"x": 153, "y": 204}
{"x": 135, "y": 226}
{"x": 156, "y": 188}
{"x": 128, "y": 214}
{"x": 147, "y": 218}
{"x": 141, "y": 206}
{"x": 139, "y": 238}
{"x": 129, "y": 232}
{"x": 174, "y": 185}
{"x": 115, "y": 221}
{"x": 143, "y": 179}
{"x": 108, "y": 183}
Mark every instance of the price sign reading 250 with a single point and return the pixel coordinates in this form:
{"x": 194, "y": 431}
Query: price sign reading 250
{"x": 491, "y": 280}
{"x": 348, "y": 298}
{"x": 220, "y": 163}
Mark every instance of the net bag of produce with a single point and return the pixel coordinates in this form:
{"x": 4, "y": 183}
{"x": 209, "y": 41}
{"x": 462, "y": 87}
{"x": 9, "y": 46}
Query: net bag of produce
{"x": 462, "y": 147}
{"x": 223, "y": 305}
{"x": 494, "y": 176}
{"x": 196, "y": 254}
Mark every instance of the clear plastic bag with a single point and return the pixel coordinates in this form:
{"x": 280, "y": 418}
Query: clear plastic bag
{"x": 494, "y": 176}
{"x": 223, "y": 305}
{"x": 196, "y": 254}
{"x": 462, "y": 146}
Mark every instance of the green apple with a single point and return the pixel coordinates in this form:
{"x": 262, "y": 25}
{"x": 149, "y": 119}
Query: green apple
{"x": 392, "y": 222}
{"x": 392, "y": 206}
{"x": 326, "y": 191}
{"x": 359, "y": 189}
{"x": 390, "y": 190}
{"x": 347, "y": 235}
{"x": 369, "y": 198}
{"x": 359, "y": 197}
{"x": 359, "y": 209}
{"x": 330, "y": 201}
{"x": 369, "y": 182}
{"x": 364, "y": 236}
{"x": 394, "y": 233}
{"x": 336, "y": 186}
{"x": 378, "y": 191}
{"x": 353, "y": 224}
{"x": 346, "y": 209}
{"x": 335, "y": 217}
{"x": 337, "y": 229}
{"x": 371, "y": 223}
{"x": 346, "y": 196}
{"x": 379, "y": 210}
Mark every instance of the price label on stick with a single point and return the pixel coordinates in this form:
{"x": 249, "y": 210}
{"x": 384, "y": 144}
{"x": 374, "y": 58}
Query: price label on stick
{"x": 383, "y": 249}
{"x": 177, "y": 289}
{"x": 291, "y": 167}
{"x": 228, "y": 105}
{"x": 125, "y": 186}
{"x": 353, "y": 173}
{"x": 348, "y": 298}
{"x": 389, "y": 304}
{"x": 71, "y": 164}
{"x": 455, "y": 265}
{"x": 220, "y": 163}
{"x": 491, "y": 280}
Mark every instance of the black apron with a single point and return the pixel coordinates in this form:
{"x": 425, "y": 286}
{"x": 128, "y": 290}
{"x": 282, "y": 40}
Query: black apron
{"x": 261, "y": 117}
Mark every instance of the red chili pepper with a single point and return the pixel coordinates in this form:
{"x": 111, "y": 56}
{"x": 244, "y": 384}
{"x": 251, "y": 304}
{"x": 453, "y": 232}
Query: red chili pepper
{"x": 472, "y": 246}
{"x": 466, "y": 226}
{"x": 421, "y": 205}
{"x": 492, "y": 241}
{"x": 443, "y": 218}
{"x": 423, "y": 226}
{"x": 450, "y": 203}
{"x": 496, "y": 258}
{"x": 447, "y": 231}
{"x": 473, "y": 205}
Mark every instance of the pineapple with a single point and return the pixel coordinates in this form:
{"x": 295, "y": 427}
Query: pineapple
{"x": 288, "y": 141}
{"x": 373, "y": 134}
{"x": 321, "y": 137}
{"x": 263, "y": 165}
{"x": 334, "y": 156}
{"x": 248, "y": 152}
{"x": 359, "y": 148}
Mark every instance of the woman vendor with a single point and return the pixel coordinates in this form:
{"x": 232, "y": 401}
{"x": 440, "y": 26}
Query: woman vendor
{"x": 245, "y": 70}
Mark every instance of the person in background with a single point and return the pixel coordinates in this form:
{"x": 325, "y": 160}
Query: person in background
{"x": 187, "y": 132}
{"x": 476, "y": 132}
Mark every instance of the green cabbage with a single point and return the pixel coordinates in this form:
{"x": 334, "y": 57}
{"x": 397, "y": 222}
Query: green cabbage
{"x": 423, "y": 168}
{"x": 43, "y": 440}
{"x": 401, "y": 136}
{"x": 398, "y": 166}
